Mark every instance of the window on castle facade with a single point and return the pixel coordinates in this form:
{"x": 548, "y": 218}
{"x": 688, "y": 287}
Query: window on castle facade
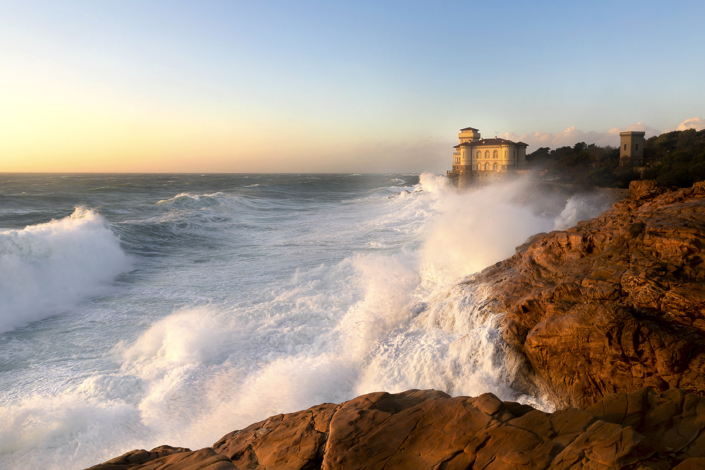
{"x": 494, "y": 154}
{"x": 479, "y": 154}
{"x": 487, "y": 166}
{"x": 487, "y": 154}
{"x": 495, "y": 167}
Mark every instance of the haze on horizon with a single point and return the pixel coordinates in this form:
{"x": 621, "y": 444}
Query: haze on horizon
{"x": 129, "y": 86}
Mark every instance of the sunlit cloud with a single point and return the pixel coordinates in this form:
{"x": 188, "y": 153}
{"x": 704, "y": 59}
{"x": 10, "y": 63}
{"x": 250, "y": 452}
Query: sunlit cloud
{"x": 693, "y": 123}
{"x": 571, "y": 135}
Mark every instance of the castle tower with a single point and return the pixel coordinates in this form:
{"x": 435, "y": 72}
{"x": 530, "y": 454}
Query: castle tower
{"x": 631, "y": 148}
{"x": 469, "y": 134}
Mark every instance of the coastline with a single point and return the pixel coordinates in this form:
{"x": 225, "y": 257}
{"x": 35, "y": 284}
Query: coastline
{"x": 562, "y": 310}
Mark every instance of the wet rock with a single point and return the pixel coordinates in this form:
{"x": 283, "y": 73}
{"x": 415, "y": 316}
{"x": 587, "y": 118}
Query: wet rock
{"x": 427, "y": 429}
{"x": 614, "y": 304}
{"x": 294, "y": 441}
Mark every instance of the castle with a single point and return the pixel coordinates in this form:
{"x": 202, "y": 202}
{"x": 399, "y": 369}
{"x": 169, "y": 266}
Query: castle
{"x": 477, "y": 157}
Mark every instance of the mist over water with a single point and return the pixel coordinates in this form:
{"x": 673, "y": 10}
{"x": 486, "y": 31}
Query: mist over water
{"x": 174, "y": 309}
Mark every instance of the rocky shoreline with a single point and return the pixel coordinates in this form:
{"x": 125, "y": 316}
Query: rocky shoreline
{"x": 614, "y": 304}
{"x": 430, "y": 430}
{"x": 609, "y": 319}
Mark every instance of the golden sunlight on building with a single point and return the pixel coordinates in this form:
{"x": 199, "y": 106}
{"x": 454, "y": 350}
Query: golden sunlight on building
{"x": 477, "y": 157}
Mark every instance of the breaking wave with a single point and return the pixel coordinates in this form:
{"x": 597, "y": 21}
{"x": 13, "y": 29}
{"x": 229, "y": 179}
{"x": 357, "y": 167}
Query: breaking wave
{"x": 48, "y": 268}
{"x": 391, "y": 313}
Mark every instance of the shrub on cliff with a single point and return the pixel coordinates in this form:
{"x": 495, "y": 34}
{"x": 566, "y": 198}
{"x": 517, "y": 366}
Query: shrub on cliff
{"x": 674, "y": 159}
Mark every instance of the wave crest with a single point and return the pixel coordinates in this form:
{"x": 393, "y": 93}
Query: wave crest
{"x": 48, "y": 268}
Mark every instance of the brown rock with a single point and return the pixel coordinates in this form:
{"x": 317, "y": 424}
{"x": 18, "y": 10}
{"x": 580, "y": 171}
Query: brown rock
{"x": 427, "y": 429}
{"x": 691, "y": 464}
{"x": 166, "y": 457}
{"x": 204, "y": 459}
{"x": 614, "y": 304}
{"x": 294, "y": 441}
{"x": 644, "y": 189}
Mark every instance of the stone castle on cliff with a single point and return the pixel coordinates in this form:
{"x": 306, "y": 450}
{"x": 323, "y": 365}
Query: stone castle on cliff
{"x": 478, "y": 157}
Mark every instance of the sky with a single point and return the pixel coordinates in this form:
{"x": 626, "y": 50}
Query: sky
{"x": 379, "y": 86}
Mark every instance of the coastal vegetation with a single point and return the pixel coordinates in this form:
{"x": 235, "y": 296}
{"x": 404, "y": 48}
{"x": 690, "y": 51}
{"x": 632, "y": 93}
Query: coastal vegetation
{"x": 674, "y": 159}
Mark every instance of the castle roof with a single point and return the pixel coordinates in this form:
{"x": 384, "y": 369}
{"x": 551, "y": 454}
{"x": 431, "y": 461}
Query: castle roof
{"x": 489, "y": 142}
{"x": 469, "y": 129}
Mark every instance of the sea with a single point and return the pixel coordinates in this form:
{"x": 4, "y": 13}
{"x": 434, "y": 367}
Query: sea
{"x": 140, "y": 309}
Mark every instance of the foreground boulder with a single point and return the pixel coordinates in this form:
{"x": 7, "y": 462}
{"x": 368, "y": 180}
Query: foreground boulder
{"x": 430, "y": 430}
{"x": 614, "y": 304}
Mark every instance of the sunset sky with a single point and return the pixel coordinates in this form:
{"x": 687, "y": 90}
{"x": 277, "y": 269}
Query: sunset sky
{"x": 264, "y": 86}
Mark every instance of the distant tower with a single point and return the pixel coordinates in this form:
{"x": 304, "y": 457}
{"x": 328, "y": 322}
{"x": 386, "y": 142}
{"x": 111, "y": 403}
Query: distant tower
{"x": 631, "y": 148}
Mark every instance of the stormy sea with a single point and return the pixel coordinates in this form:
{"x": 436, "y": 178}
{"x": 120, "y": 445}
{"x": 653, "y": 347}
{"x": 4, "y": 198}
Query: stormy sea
{"x": 140, "y": 310}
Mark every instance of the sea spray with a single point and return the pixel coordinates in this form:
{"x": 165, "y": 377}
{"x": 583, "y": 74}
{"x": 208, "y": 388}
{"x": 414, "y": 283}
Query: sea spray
{"x": 47, "y": 268}
{"x": 249, "y": 301}
{"x": 474, "y": 230}
{"x": 582, "y": 206}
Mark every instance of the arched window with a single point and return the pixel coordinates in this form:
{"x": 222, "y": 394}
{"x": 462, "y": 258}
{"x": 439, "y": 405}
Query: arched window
{"x": 479, "y": 154}
{"x": 487, "y": 154}
{"x": 494, "y": 155}
{"x": 487, "y": 166}
{"x": 495, "y": 167}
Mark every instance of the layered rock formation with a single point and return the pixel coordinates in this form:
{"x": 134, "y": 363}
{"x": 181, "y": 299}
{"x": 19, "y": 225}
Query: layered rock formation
{"x": 614, "y": 304}
{"x": 430, "y": 430}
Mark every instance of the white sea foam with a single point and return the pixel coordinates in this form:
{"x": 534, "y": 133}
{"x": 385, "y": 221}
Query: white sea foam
{"x": 473, "y": 231}
{"x": 582, "y": 207}
{"x": 48, "y": 268}
{"x": 194, "y": 200}
{"x": 390, "y": 319}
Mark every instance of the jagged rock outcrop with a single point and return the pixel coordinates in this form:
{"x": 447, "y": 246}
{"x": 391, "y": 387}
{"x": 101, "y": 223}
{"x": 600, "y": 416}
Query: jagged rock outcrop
{"x": 614, "y": 304}
{"x": 430, "y": 430}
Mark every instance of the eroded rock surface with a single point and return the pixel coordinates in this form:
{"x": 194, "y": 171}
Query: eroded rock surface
{"x": 614, "y": 304}
{"x": 430, "y": 430}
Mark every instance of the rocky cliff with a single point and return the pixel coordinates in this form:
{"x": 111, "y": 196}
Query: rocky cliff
{"x": 614, "y": 304}
{"x": 599, "y": 312}
{"x": 430, "y": 430}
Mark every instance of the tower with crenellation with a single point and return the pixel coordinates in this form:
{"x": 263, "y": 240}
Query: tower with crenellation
{"x": 631, "y": 148}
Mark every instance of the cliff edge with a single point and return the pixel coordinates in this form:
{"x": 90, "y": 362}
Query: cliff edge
{"x": 614, "y": 304}
{"x": 427, "y": 429}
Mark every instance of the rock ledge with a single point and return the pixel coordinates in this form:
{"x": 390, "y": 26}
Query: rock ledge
{"x": 427, "y": 429}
